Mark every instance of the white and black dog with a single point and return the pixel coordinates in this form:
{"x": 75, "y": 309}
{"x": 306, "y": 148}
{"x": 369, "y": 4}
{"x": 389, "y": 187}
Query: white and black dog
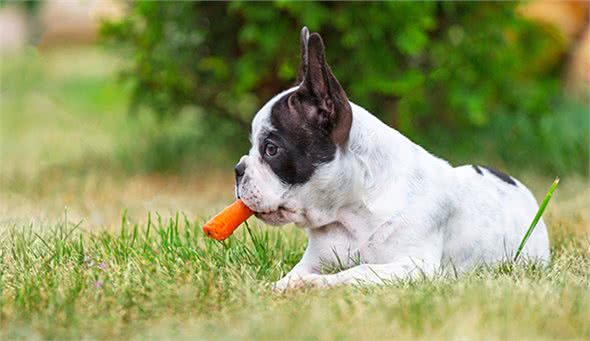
{"x": 367, "y": 196}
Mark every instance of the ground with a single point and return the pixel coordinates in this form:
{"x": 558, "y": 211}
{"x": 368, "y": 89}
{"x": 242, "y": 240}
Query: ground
{"x": 90, "y": 249}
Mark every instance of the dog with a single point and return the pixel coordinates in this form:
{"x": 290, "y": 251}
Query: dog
{"x": 370, "y": 200}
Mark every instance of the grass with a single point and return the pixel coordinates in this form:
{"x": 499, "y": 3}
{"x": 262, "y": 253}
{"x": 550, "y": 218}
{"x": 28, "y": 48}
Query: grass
{"x": 163, "y": 279}
{"x": 536, "y": 219}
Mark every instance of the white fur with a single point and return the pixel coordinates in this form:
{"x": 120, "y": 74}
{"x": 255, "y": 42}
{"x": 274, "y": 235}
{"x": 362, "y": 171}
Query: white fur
{"x": 389, "y": 205}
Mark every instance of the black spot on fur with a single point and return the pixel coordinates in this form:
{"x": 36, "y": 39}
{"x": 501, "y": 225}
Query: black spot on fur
{"x": 477, "y": 169}
{"x": 310, "y": 124}
{"x": 303, "y": 146}
{"x": 502, "y": 176}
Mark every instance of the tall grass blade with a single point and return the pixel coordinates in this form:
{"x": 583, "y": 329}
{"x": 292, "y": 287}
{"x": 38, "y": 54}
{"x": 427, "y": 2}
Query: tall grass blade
{"x": 536, "y": 219}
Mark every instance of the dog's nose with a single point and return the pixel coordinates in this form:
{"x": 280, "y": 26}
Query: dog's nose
{"x": 240, "y": 171}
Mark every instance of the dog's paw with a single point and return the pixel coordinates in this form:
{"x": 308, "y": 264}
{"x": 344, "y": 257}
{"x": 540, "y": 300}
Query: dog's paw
{"x": 298, "y": 282}
{"x": 281, "y": 285}
{"x": 288, "y": 283}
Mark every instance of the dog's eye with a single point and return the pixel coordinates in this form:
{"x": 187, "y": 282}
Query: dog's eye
{"x": 271, "y": 149}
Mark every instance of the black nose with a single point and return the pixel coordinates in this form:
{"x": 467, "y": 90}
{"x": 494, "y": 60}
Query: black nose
{"x": 240, "y": 170}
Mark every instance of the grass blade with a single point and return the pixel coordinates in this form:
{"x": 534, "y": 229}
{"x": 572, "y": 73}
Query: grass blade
{"x": 536, "y": 219}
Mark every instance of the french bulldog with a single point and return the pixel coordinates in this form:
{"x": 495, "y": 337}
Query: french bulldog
{"x": 369, "y": 199}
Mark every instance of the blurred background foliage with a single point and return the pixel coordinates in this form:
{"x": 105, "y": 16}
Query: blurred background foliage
{"x": 471, "y": 81}
{"x": 498, "y": 84}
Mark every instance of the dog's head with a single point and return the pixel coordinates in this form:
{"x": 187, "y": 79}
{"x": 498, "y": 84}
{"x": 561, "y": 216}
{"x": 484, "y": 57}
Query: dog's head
{"x": 292, "y": 173}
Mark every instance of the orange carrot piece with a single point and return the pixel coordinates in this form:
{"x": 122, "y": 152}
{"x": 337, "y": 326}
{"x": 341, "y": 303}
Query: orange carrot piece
{"x": 227, "y": 221}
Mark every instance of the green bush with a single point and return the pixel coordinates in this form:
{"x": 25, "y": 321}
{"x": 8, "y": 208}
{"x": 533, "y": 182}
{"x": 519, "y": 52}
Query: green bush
{"x": 460, "y": 78}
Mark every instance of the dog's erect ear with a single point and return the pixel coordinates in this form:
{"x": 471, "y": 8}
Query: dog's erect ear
{"x": 303, "y": 65}
{"x": 321, "y": 88}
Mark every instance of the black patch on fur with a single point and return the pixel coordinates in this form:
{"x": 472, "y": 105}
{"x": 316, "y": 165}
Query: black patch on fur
{"x": 477, "y": 169}
{"x": 311, "y": 123}
{"x": 502, "y": 176}
{"x": 303, "y": 146}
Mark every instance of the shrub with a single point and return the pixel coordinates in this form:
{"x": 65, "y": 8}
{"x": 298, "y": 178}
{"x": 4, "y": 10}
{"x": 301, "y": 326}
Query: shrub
{"x": 441, "y": 73}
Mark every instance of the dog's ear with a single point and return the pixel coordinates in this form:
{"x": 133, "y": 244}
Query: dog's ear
{"x": 321, "y": 88}
{"x": 303, "y": 65}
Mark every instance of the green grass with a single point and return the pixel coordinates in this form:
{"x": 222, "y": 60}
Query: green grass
{"x": 165, "y": 280}
{"x": 537, "y": 217}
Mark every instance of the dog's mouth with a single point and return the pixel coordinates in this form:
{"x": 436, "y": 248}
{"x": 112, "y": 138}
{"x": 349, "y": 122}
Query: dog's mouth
{"x": 280, "y": 209}
{"x": 280, "y": 216}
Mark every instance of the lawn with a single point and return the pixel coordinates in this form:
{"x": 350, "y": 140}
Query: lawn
{"x": 91, "y": 248}
{"x": 163, "y": 279}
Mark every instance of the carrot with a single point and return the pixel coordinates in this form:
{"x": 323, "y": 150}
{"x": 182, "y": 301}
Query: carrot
{"x": 225, "y": 222}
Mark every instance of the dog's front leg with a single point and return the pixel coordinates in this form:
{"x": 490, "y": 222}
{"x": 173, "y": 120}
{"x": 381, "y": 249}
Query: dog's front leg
{"x": 364, "y": 274}
{"x": 306, "y": 267}
{"x": 425, "y": 262}
{"x": 395, "y": 251}
{"x": 371, "y": 274}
